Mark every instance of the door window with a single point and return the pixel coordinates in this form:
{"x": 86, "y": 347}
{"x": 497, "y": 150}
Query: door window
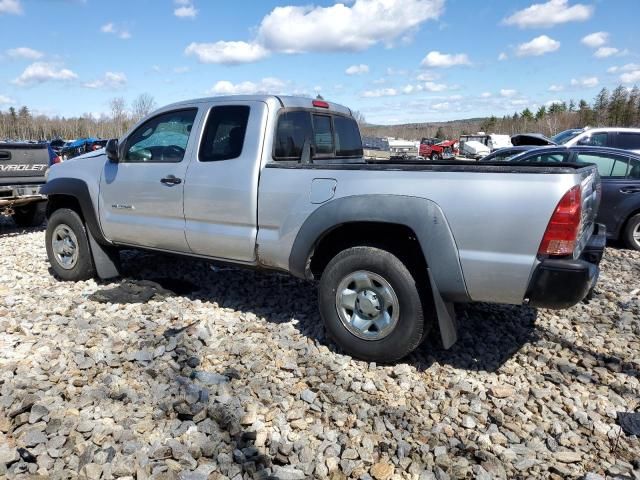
{"x": 348, "y": 141}
{"x": 605, "y": 163}
{"x": 634, "y": 169}
{"x": 224, "y": 134}
{"x": 162, "y": 139}
{"x": 595, "y": 139}
{"x": 628, "y": 141}
{"x": 323, "y": 134}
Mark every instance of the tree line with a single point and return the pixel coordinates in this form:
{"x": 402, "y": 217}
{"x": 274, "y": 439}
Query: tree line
{"x": 21, "y": 124}
{"x": 617, "y": 108}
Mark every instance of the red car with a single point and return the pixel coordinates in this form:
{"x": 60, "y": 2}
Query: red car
{"x": 437, "y": 149}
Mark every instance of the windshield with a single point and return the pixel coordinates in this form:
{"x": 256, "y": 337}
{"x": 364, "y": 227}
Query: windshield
{"x": 565, "y": 136}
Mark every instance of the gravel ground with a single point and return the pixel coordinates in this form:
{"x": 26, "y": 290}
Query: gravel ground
{"x": 226, "y": 373}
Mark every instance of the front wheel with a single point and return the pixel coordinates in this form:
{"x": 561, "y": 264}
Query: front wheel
{"x": 632, "y": 232}
{"x": 68, "y": 246}
{"x": 371, "y": 305}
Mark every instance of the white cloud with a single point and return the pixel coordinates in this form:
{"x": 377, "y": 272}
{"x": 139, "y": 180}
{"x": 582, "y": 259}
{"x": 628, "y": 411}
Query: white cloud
{"x": 349, "y": 26}
{"x": 486, "y": 95}
{"x": 604, "y": 52}
{"x": 25, "y": 52}
{"x": 427, "y": 76}
{"x": 556, "y": 88}
{"x": 502, "y": 57}
{"x": 629, "y": 67}
{"x": 595, "y": 40}
{"x": 113, "y": 29}
{"x": 10, "y": 6}
{"x": 357, "y": 69}
{"x": 108, "y": 28}
{"x": 435, "y": 87}
{"x": 4, "y": 100}
{"x": 588, "y": 82}
{"x": 185, "y": 9}
{"x": 230, "y": 53}
{"x": 436, "y": 59}
{"x": 553, "y": 12}
{"x": 538, "y": 46}
{"x": 440, "y": 106}
{"x": 40, "y": 72}
{"x": 266, "y": 85}
{"x": 508, "y": 92}
{"x": 381, "y": 92}
{"x": 631, "y": 77}
{"x": 110, "y": 80}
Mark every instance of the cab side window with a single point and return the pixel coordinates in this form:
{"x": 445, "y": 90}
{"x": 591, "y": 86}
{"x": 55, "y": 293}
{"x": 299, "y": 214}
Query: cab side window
{"x": 628, "y": 141}
{"x": 224, "y": 134}
{"x": 161, "y": 139}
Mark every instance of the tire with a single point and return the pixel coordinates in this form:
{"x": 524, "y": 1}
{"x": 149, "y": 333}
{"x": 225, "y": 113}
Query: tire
{"x": 632, "y": 232}
{"x": 435, "y": 157}
{"x": 388, "y": 343}
{"x": 31, "y": 215}
{"x": 66, "y": 227}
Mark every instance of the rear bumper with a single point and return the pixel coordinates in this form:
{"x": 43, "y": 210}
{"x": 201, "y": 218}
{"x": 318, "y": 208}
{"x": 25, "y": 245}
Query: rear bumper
{"x": 16, "y": 195}
{"x": 561, "y": 283}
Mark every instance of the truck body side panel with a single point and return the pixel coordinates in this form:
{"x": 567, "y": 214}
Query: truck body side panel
{"x": 496, "y": 219}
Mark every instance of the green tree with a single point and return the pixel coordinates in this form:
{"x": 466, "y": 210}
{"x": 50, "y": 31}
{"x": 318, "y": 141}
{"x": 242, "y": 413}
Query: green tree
{"x": 440, "y": 133}
{"x": 601, "y": 107}
{"x": 585, "y": 114}
{"x": 618, "y": 106}
{"x": 542, "y": 111}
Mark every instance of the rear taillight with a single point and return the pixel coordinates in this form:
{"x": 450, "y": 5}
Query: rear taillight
{"x": 57, "y": 159}
{"x": 564, "y": 227}
{"x": 320, "y": 104}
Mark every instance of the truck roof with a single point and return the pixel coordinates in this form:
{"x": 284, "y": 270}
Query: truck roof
{"x": 283, "y": 101}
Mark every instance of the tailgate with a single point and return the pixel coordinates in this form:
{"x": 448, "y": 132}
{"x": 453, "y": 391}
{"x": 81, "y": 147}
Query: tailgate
{"x": 23, "y": 162}
{"x": 591, "y": 195}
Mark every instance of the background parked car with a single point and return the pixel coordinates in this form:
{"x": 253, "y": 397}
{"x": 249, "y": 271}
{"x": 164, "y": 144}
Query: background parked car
{"x": 620, "y": 173}
{"x": 614, "y": 137}
{"x": 375, "y": 148}
{"x": 506, "y": 153}
{"x": 437, "y": 149}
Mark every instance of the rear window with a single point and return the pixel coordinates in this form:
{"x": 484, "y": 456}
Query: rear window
{"x": 293, "y": 129}
{"x": 224, "y": 134}
{"x": 348, "y": 140}
{"x": 323, "y": 134}
{"x": 331, "y": 135}
{"x": 544, "y": 158}
{"x": 628, "y": 141}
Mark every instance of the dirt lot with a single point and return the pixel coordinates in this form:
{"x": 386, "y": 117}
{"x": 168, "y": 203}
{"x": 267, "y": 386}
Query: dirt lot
{"x": 226, "y": 373}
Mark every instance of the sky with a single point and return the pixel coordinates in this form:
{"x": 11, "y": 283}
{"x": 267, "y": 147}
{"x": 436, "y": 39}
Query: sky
{"x": 395, "y": 61}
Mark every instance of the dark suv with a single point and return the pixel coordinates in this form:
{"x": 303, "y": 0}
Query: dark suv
{"x": 620, "y": 173}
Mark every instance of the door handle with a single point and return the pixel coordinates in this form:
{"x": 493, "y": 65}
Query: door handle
{"x": 630, "y": 190}
{"x": 171, "y": 180}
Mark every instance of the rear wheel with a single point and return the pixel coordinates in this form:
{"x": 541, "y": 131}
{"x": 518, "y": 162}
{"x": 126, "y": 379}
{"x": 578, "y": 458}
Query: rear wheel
{"x": 436, "y": 156}
{"x": 68, "y": 246}
{"x": 632, "y": 232}
{"x": 31, "y": 215}
{"x": 371, "y": 305}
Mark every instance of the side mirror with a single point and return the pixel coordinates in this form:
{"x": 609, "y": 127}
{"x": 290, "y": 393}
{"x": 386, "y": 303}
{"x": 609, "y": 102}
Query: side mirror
{"x": 584, "y": 141}
{"x": 112, "y": 150}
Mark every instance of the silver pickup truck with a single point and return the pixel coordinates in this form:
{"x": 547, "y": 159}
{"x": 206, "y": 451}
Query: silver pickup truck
{"x": 279, "y": 183}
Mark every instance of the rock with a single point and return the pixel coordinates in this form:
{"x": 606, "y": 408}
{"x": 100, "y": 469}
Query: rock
{"x": 468, "y": 422}
{"x": 501, "y": 391}
{"x": 288, "y": 473}
{"x": 382, "y": 470}
{"x": 8, "y": 454}
{"x": 308, "y": 396}
{"x": 37, "y": 412}
{"x": 568, "y": 457}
